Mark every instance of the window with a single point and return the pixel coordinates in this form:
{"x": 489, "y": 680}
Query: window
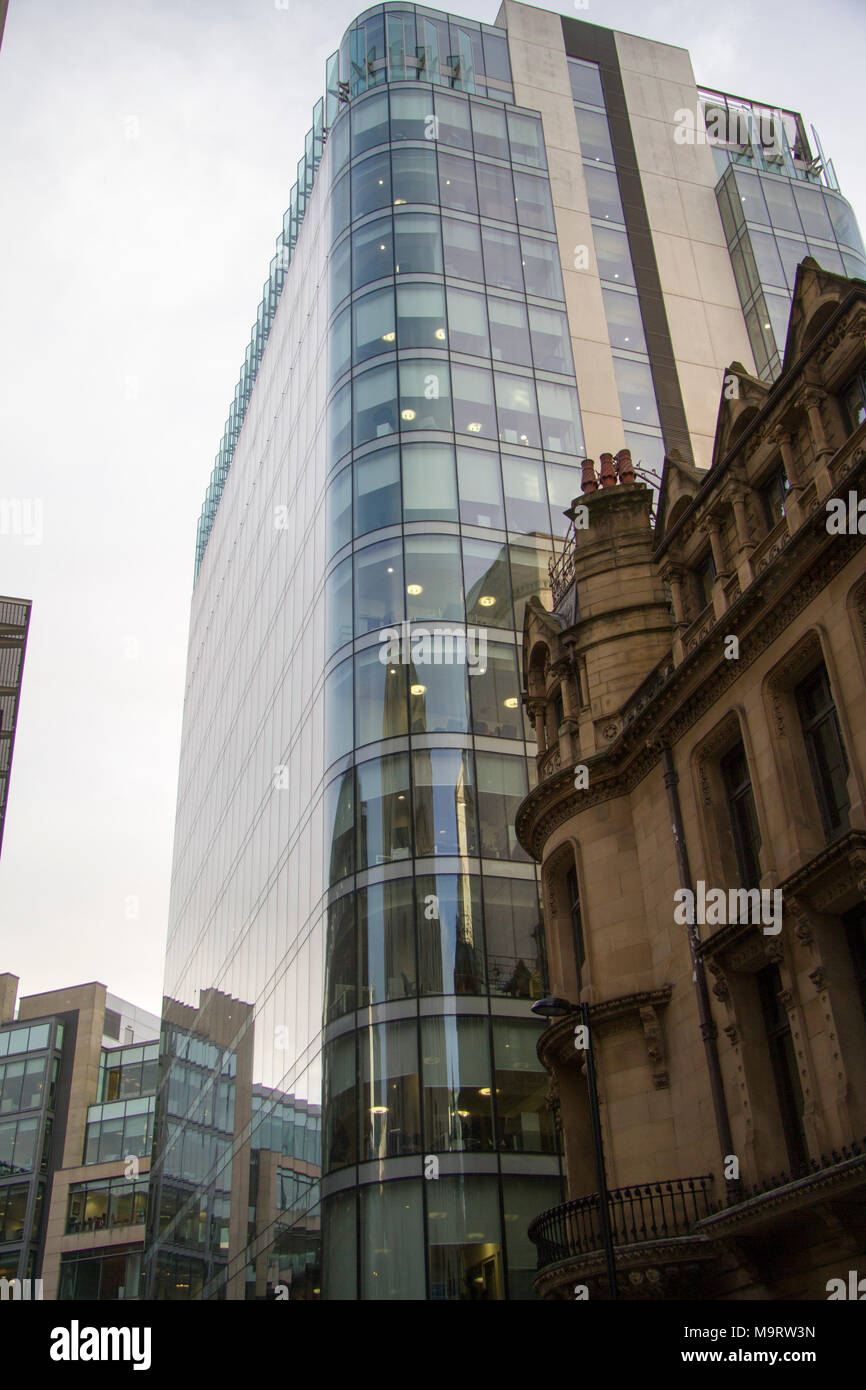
{"x": 434, "y": 586}
{"x": 592, "y": 129}
{"x": 458, "y": 1112}
{"x": 338, "y": 607}
{"x": 503, "y": 266}
{"x": 585, "y": 82}
{"x": 551, "y": 340}
{"x": 561, "y": 426}
{"x": 572, "y": 893}
{"x": 414, "y": 176}
{"x": 527, "y": 139}
{"x": 338, "y": 512}
{"x": 613, "y": 255}
{"x": 501, "y": 788}
{"x": 496, "y": 694}
{"x": 339, "y": 346}
{"x": 636, "y": 392}
{"x": 384, "y": 827}
{"x": 380, "y": 699}
{"x": 390, "y": 1098}
{"x": 453, "y": 115}
{"x": 488, "y": 590}
{"x": 340, "y": 1137}
{"x": 375, "y": 404}
{"x": 371, "y": 184}
{"x": 509, "y": 331}
{"x": 339, "y": 424}
{"x": 372, "y": 252}
{"x": 705, "y": 574}
{"x": 425, "y": 397}
{"x": 541, "y": 267}
{"x": 783, "y": 1063}
{"x": 624, "y": 323}
{"x": 341, "y": 966}
{"x": 743, "y": 816}
{"x": 828, "y": 761}
{"x": 525, "y": 1123}
{"x": 462, "y": 245}
{"x": 429, "y": 483}
{"x": 474, "y": 412}
{"x": 855, "y": 930}
{"x": 854, "y": 402}
{"x": 386, "y": 942}
{"x": 525, "y": 495}
{"x": 457, "y": 183}
{"x": 603, "y": 193}
{"x": 534, "y": 203}
{"x": 338, "y": 717}
{"x": 369, "y": 122}
{"x": 517, "y": 410}
{"x": 379, "y": 591}
{"x": 467, "y": 322}
{"x": 439, "y": 698}
{"x": 374, "y": 329}
{"x": 444, "y": 803}
{"x": 480, "y": 488}
{"x": 417, "y": 243}
{"x": 377, "y": 490}
{"x": 515, "y": 938}
{"x": 773, "y": 496}
{"x": 450, "y": 943}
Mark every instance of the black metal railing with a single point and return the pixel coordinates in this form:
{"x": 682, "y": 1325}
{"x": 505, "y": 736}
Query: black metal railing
{"x": 648, "y": 1211}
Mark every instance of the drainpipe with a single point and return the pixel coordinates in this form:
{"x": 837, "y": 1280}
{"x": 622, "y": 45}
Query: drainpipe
{"x": 709, "y": 1031}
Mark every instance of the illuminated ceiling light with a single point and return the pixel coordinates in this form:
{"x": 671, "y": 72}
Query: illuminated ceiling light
{"x": 392, "y": 671}
{"x": 524, "y": 439}
{"x": 389, "y": 337}
{"x": 378, "y": 1109}
{"x": 474, "y": 427}
{"x": 407, "y": 415}
{"x": 484, "y": 1091}
{"x": 414, "y": 589}
{"x": 440, "y": 334}
{"x": 390, "y": 569}
{"x": 418, "y": 689}
{"x": 398, "y": 202}
{"x": 487, "y": 600}
{"x": 766, "y": 325}
{"x": 464, "y": 1114}
{"x": 381, "y": 182}
{"x": 627, "y": 340}
{"x": 381, "y": 246}
{"x": 512, "y": 702}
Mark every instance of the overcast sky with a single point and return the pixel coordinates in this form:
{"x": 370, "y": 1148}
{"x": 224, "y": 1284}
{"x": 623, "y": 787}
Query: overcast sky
{"x": 147, "y": 154}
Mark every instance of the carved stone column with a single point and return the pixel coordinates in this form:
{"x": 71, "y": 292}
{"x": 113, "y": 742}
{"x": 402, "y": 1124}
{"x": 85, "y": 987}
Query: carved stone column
{"x": 745, "y": 540}
{"x": 811, "y": 401}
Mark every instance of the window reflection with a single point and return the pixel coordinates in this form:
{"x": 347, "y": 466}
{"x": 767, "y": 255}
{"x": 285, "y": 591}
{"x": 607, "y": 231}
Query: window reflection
{"x": 369, "y": 122}
{"x": 340, "y": 1108}
{"x": 541, "y": 267}
{"x": 515, "y": 938}
{"x": 488, "y": 129}
{"x": 561, "y": 428}
{"x": 439, "y": 698}
{"x": 339, "y": 814}
{"x": 338, "y": 712}
{"x": 450, "y": 944}
{"x": 418, "y": 243}
{"x": 429, "y": 483}
{"x": 524, "y": 1122}
{"x": 341, "y": 958}
{"x": 374, "y": 329}
{"x": 380, "y": 698}
{"x": 480, "y": 488}
{"x": 495, "y": 192}
{"x": 462, "y": 249}
{"x": 551, "y": 340}
{"x": 434, "y": 587}
{"x": 421, "y": 316}
{"x": 378, "y": 586}
{"x": 488, "y": 589}
{"x": 509, "y": 331}
{"x": 525, "y": 495}
{"x": 465, "y": 1240}
{"x": 467, "y": 322}
{"x": 414, "y": 176}
{"x": 534, "y": 203}
{"x": 503, "y": 265}
{"x": 516, "y": 409}
{"x": 377, "y": 490}
{"x": 371, "y": 184}
{"x": 444, "y": 802}
{"x": 496, "y": 694}
{"x": 425, "y": 395}
{"x": 372, "y": 252}
{"x": 501, "y": 788}
{"x": 383, "y": 822}
{"x": 375, "y": 404}
{"x": 386, "y": 941}
{"x": 457, "y": 183}
{"x": 392, "y": 1241}
{"x": 390, "y": 1099}
{"x": 338, "y": 607}
{"x": 455, "y": 1060}
{"x": 474, "y": 411}
{"x": 527, "y": 139}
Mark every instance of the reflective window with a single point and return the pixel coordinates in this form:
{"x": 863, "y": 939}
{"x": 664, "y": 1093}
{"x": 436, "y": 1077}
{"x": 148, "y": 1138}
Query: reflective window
{"x": 18, "y": 1146}
{"x": 429, "y": 483}
{"x": 433, "y": 581}
{"x": 603, "y": 192}
{"x": 496, "y": 694}
{"x": 813, "y": 213}
{"x": 383, "y": 823}
{"x": 374, "y": 329}
{"x": 380, "y": 699}
{"x": 410, "y": 109}
{"x": 392, "y": 1241}
{"x": 594, "y": 135}
{"x": 386, "y": 941}
{"x": 339, "y": 813}
{"x": 341, "y": 964}
{"x": 418, "y": 243}
{"x": 339, "y": 424}
{"x": 390, "y": 1098}
{"x": 369, "y": 122}
{"x": 457, "y": 183}
{"x": 748, "y": 188}
{"x": 439, "y": 696}
{"x": 636, "y": 394}
{"x": 455, "y": 1062}
{"x": 488, "y": 128}
{"x": 527, "y": 139}
{"x": 515, "y": 938}
{"x": 453, "y": 116}
{"x": 624, "y": 323}
{"x": 338, "y": 144}
{"x": 495, "y": 192}
{"x": 480, "y": 488}
{"x": 444, "y": 802}
{"x": 488, "y": 590}
{"x": 340, "y": 1110}
{"x": 338, "y": 712}
{"x": 561, "y": 428}
{"x": 792, "y": 250}
{"x": 534, "y": 203}
{"x": 462, "y": 250}
{"x": 779, "y": 196}
{"x": 338, "y": 607}
{"x": 414, "y": 176}
{"x": 377, "y": 491}
{"x": 503, "y": 266}
{"x": 425, "y": 402}
{"x": 541, "y": 267}
{"x": 421, "y": 316}
{"x": 528, "y": 576}
{"x": 378, "y": 586}
{"x": 501, "y": 788}
{"x": 372, "y": 252}
{"x": 371, "y": 183}
{"x": 612, "y": 255}
{"x": 845, "y": 225}
{"x": 509, "y": 331}
{"x": 585, "y": 82}
{"x": 467, "y": 322}
{"x": 516, "y": 410}
{"x": 465, "y": 1238}
{"x": 340, "y": 206}
{"x": 522, "y": 1199}
{"x": 340, "y": 346}
{"x": 563, "y": 487}
{"x": 496, "y": 57}
{"x": 474, "y": 412}
{"x": 524, "y": 1121}
{"x": 450, "y": 944}
{"x": 375, "y": 404}
{"x": 525, "y": 495}
{"x": 340, "y": 1234}
{"x": 339, "y": 276}
{"x": 551, "y": 340}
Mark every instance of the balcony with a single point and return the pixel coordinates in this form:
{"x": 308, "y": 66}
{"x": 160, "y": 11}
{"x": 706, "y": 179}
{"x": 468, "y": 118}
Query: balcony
{"x": 653, "y": 1231}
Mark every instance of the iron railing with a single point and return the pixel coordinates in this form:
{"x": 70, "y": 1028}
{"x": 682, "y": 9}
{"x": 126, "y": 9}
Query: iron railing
{"x": 648, "y": 1211}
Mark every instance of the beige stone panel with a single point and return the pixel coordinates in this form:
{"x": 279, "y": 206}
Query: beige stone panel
{"x": 690, "y": 335}
{"x": 728, "y": 335}
{"x": 583, "y": 298}
{"x": 557, "y": 116}
{"x": 567, "y": 184}
{"x": 703, "y": 221}
{"x": 602, "y": 433}
{"x": 715, "y": 276}
{"x": 530, "y": 23}
{"x": 702, "y": 448}
{"x": 676, "y": 265}
{"x": 664, "y": 204}
{"x": 654, "y": 148}
{"x": 596, "y": 383}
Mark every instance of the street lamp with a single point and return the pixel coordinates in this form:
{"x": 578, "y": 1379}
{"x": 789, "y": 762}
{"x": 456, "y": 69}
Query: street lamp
{"x": 555, "y": 1007}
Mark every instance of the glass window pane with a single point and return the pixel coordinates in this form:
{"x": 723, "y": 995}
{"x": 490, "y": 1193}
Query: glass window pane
{"x": 467, "y": 322}
{"x": 392, "y": 1241}
{"x": 450, "y": 940}
{"x": 372, "y": 252}
{"x": 474, "y": 411}
{"x": 516, "y": 410}
{"x": 340, "y": 1108}
{"x": 374, "y": 327}
{"x": 522, "y": 1200}
{"x": 444, "y": 802}
{"x": 624, "y": 323}
{"x": 338, "y": 512}
{"x": 503, "y": 266}
{"x": 380, "y": 702}
{"x": 458, "y": 1114}
{"x": 339, "y": 277}
{"x": 748, "y": 188}
{"x": 613, "y": 255}
{"x": 433, "y": 581}
{"x": 429, "y": 483}
{"x": 413, "y": 173}
{"x": 378, "y": 586}
{"x": 527, "y": 139}
{"x": 488, "y": 128}
{"x": 534, "y": 203}
{"x": 585, "y": 82}
{"x": 509, "y": 331}
{"x": 341, "y": 964}
{"x": 541, "y": 267}
{"x": 439, "y": 695}
{"x": 528, "y": 576}
{"x": 551, "y": 340}
{"x": 636, "y": 395}
{"x": 425, "y": 401}
{"x": 780, "y": 203}
{"x": 594, "y": 135}
{"x": 386, "y": 941}
{"x": 339, "y": 813}
{"x": 421, "y": 316}
{"x": 462, "y": 250}
{"x": 525, "y": 495}
{"x": 339, "y": 346}
{"x": 418, "y": 243}
{"x": 792, "y": 250}
{"x": 488, "y": 588}
{"x": 767, "y": 261}
{"x": 603, "y": 192}
{"x": 496, "y": 694}
{"x": 813, "y": 213}
{"x": 383, "y": 823}
{"x": 844, "y": 223}
{"x": 338, "y": 142}
{"x": 369, "y": 122}
{"x": 338, "y": 607}
{"x": 502, "y": 786}
{"x": 563, "y": 487}
{"x": 495, "y": 192}
{"x": 338, "y": 712}
{"x": 377, "y": 491}
{"x": 390, "y": 1109}
{"x": 410, "y": 109}
{"x": 453, "y": 117}
{"x": 340, "y": 202}
{"x": 480, "y": 488}
{"x": 457, "y": 183}
{"x": 375, "y": 404}
{"x": 339, "y": 424}
{"x": 371, "y": 184}
{"x": 515, "y": 938}
{"x": 561, "y": 427}
{"x": 525, "y": 1123}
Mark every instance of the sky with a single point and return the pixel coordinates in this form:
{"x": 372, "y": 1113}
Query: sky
{"x": 148, "y": 149}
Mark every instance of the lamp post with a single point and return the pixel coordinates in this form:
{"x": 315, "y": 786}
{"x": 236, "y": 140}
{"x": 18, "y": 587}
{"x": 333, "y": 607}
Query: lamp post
{"x": 555, "y": 1007}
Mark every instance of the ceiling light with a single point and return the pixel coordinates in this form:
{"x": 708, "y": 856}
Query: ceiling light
{"x": 487, "y": 601}
{"x": 440, "y": 334}
{"x": 389, "y": 337}
{"x": 378, "y": 1109}
{"x": 398, "y": 202}
{"x": 475, "y": 427}
{"x": 484, "y": 1091}
{"x": 390, "y": 569}
{"x": 414, "y": 589}
{"x": 512, "y": 702}
{"x": 418, "y": 689}
{"x": 407, "y": 415}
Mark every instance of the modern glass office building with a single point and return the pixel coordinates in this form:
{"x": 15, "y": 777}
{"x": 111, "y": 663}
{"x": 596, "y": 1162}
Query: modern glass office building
{"x": 477, "y": 283}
